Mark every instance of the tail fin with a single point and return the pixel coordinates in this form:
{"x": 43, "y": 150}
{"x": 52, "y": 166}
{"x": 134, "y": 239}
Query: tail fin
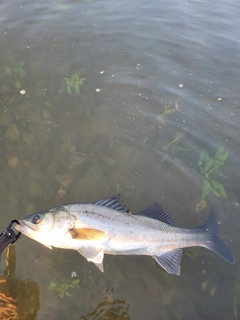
{"x": 214, "y": 243}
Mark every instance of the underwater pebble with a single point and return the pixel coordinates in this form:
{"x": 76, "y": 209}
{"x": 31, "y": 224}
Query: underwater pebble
{"x": 76, "y": 160}
{"x": 41, "y": 93}
{"x": 31, "y": 207}
{"x": 12, "y": 133}
{"x": 98, "y": 90}
{"x": 5, "y": 118}
{"x": 124, "y": 152}
{"x": 101, "y": 72}
{"x": 46, "y": 114}
{"x": 24, "y": 107}
{"x": 108, "y": 160}
{"x": 28, "y": 138}
{"x": 65, "y": 183}
{"x": 13, "y": 162}
{"x": 180, "y": 85}
{"x": 61, "y": 193}
{"x": 35, "y": 189}
{"x": 22, "y": 92}
{"x": 4, "y": 89}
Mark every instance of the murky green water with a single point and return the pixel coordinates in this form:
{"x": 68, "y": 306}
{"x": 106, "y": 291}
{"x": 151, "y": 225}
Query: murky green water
{"x": 105, "y": 97}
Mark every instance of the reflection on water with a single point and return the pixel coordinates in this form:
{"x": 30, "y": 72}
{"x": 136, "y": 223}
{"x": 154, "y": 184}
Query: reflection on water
{"x": 105, "y": 310}
{"x": 19, "y": 299}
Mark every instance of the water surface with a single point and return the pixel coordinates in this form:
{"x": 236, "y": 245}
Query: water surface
{"x": 158, "y": 84}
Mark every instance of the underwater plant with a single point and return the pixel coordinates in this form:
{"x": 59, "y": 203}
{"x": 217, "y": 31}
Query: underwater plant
{"x": 209, "y": 171}
{"x": 62, "y": 288}
{"x": 168, "y": 109}
{"x": 73, "y": 83}
{"x": 16, "y": 72}
{"x": 173, "y": 148}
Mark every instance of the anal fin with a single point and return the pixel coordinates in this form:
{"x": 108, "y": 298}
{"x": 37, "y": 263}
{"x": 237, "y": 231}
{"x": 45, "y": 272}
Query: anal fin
{"x": 170, "y": 261}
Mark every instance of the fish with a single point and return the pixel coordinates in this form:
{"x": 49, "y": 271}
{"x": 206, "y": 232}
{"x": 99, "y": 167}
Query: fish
{"x": 107, "y": 227}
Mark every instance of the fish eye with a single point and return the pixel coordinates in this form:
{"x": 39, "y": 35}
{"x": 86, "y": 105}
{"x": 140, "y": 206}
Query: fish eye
{"x": 36, "y": 219}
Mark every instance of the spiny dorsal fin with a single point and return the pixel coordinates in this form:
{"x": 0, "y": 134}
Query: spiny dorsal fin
{"x": 156, "y": 212}
{"x": 113, "y": 202}
{"x": 87, "y": 234}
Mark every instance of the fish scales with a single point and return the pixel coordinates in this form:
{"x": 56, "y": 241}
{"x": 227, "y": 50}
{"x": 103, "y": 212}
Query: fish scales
{"x": 134, "y": 228}
{"x": 106, "y": 227}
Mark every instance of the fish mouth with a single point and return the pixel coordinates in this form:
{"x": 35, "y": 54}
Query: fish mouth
{"x": 24, "y": 227}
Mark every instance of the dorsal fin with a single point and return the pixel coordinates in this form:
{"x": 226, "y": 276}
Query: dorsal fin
{"x": 156, "y": 212}
{"x": 113, "y": 202}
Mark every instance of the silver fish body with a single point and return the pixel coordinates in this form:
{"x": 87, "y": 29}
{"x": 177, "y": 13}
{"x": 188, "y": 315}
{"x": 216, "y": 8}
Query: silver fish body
{"x": 106, "y": 227}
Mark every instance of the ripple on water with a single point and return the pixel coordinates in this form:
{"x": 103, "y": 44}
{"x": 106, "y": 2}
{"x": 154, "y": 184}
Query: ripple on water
{"x": 138, "y": 67}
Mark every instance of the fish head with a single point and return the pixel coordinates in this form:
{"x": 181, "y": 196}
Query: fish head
{"x": 48, "y": 227}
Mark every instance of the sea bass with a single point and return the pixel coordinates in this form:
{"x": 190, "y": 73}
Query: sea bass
{"x": 105, "y": 226}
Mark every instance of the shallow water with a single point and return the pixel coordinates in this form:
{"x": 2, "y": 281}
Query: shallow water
{"x": 160, "y": 84}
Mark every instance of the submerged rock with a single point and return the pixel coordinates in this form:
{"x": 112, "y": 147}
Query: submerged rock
{"x": 35, "y": 189}
{"x": 61, "y": 193}
{"x": 5, "y": 118}
{"x": 46, "y": 114}
{"x": 12, "y": 133}
{"x": 28, "y": 138}
{"x": 31, "y": 207}
{"x": 13, "y": 162}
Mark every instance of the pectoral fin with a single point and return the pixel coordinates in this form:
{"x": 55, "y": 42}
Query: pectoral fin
{"x": 94, "y": 255}
{"x": 87, "y": 234}
{"x": 170, "y": 261}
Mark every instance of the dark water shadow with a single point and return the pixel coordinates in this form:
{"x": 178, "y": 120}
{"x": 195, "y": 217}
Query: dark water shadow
{"x": 19, "y": 299}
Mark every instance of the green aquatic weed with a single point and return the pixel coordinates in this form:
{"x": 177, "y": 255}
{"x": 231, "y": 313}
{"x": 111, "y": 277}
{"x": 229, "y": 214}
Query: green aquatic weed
{"x": 73, "y": 83}
{"x": 62, "y": 288}
{"x": 175, "y": 148}
{"x": 209, "y": 171}
{"x": 168, "y": 109}
{"x": 17, "y": 69}
{"x": 16, "y": 72}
